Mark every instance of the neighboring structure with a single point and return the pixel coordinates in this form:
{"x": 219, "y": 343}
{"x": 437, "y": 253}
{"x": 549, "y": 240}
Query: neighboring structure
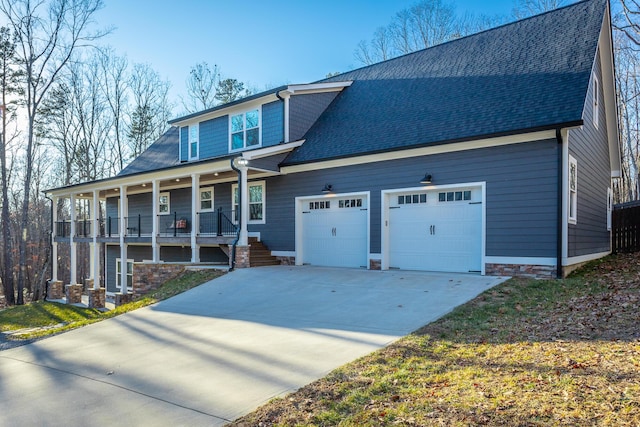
{"x": 490, "y": 154}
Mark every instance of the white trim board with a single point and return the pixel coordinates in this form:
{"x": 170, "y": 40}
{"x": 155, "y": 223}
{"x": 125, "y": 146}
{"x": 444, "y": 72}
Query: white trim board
{"x": 550, "y": 262}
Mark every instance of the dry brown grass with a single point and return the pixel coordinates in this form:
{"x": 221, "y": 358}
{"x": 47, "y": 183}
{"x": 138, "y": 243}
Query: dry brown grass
{"x": 527, "y": 353}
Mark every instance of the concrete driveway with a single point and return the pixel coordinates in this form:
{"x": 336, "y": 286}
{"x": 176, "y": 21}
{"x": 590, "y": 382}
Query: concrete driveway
{"x": 210, "y": 355}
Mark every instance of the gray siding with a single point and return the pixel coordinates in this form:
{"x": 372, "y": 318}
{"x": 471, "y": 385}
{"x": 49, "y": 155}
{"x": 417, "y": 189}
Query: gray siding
{"x": 304, "y": 110}
{"x": 175, "y": 253}
{"x": 590, "y": 148}
{"x": 214, "y": 137}
{"x": 136, "y": 253}
{"x": 521, "y": 194}
{"x": 179, "y": 206}
{"x": 184, "y": 143}
{"x": 272, "y": 123}
{"x": 140, "y": 204}
{"x": 213, "y": 254}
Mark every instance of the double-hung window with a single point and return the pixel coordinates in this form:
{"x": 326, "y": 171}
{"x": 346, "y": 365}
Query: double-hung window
{"x": 194, "y": 133}
{"x": 129, "y": 274}
{"x": 164, "y": 204}
{"x": 257, "y": 202}
{"x": 573, "y": 190}
{"x": 206, "y": 199}
{"x": 245, "y": 130}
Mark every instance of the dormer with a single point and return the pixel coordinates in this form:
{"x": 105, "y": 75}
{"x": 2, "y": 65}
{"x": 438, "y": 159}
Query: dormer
{"x": 277, "y": 116}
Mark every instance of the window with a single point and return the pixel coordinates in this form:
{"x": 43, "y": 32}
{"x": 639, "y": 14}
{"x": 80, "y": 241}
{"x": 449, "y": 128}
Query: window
{"x": 206, "y": 199}
{"x": 256, "y": 202}
{"x": 245, "y": 130}
{"x": 573, "y": 190}
{"x": 412, "y": 198}
{"x": 350, "y": 203}
{"x": 596, "y": 101}
{"x": 320, "y": 205}
{"x": 129, "y": 274}
{"x": 193, "y": 141}
{"x": 164, "y": 207}
{"x": 454, "y": 196}
{"x": 609, "y": 208}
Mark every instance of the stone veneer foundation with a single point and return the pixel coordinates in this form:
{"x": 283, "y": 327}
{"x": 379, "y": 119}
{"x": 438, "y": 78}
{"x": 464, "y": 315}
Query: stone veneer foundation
{"x": 286, "y": 260}
{"x": 375, "y": 264}
{"x": 73, "y": 293}
{"x": 55, "y": 290}
{"x": 243, "y": 256}
{"x": 519, "y": 270}
{"x": 96, "y": 298}
{"x": 149, "y": 276}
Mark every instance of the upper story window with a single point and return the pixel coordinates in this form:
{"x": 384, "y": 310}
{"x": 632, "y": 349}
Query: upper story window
{"x": 206, "y": 199}
{"x": 245, "y": 130}
{"x": 596, "y": 101}
{"x": 164, "y": 207}
{"x": 193, "y": 142}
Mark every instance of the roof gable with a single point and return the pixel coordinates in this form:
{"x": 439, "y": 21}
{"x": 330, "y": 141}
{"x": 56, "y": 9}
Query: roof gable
{"x": 161, "y": 154}
{"x": 523, "y": 76}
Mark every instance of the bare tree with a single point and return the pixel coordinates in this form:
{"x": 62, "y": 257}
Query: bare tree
{"x": 201, "y": 87}
{"x": 151, "y": 108}
{"x": 9, "y": 85}
{"x": 48, "y": 33}
{"x": 526, "y": 8}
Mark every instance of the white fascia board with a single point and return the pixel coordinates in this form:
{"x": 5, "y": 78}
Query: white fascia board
{"x": 271, "y": 151}
{"x": 128, "y": 180}
{"x": 305, "y": 89}
{"x": 223, "y": 111}
{"x": 567, "y": 261}
{"x": 423, "y": 151}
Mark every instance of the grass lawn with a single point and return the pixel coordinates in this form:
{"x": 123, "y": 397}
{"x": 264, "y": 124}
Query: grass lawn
{"x": 526, "y": 353}
{"x": 46, "y": 318}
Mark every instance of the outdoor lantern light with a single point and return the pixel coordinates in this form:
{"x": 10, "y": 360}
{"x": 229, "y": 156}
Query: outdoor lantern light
{"x": 242, "y": 161}
{"x": 328, "y": 188}
{"x": 426, "y": 179}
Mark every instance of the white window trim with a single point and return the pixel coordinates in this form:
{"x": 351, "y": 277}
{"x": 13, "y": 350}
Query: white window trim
{"x": 609, "y": 208}
{"x": 573, "y": 193}
{"x": 119, "y": 275}
{"x": 264, "y": 201}
{"x": 244, "y": 112}
{"x": 191, "y": 141}
{"x": 596, "y": 101}
{"x": 168, "y": 194}
{"x": 212, "y": 208}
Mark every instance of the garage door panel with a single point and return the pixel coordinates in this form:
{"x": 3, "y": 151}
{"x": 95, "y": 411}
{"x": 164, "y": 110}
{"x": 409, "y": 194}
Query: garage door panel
{"x": 336, "y": 235}
{"x": 436, "y": 234}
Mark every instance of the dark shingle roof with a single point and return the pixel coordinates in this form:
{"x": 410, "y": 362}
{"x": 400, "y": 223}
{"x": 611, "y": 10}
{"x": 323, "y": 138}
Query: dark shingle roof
{"x": 161, "y": 154}
{"x": 531, "y": 74}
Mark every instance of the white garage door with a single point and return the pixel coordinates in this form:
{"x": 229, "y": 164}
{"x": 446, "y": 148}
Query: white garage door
{"x": 334, "y": 232}
{"x": 436, "y": 231}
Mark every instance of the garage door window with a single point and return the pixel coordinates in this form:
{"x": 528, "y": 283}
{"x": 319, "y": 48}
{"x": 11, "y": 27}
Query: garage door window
{"x": 320, "y": 205}
{"x": 408, "y": 199}
{"x": 454, "y": 196}
{"x": 350, "y": 203}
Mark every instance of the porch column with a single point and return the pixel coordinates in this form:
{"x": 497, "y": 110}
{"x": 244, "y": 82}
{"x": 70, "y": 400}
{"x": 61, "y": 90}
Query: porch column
{"x": 154, "y": 211}
{"x": 72, "y": 245}
{"x": 195, "y": 218}
{"x": 244, "y": 206}
{"x": 54, "y": 244}
{"x": 123, "y": 246}
{"x": 95, "y": 247}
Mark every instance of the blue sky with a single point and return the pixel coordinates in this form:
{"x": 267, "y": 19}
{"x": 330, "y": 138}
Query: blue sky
{"x": 262, "y": 43}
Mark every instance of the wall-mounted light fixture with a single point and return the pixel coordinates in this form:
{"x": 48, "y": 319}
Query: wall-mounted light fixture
{"x": 426, "y": 179}
{"x": 328, "y": 188}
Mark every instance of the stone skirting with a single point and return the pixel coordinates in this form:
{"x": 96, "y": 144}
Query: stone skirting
{"x": 286, "y": 260}
{"x": 96, "y": 298}
{"x": 375, "y": 264}
{"x": 148, "y": 277}
{"x": 73, "y": 293}
{"x": 55, "y": 290}
{"x": 243, "y": 256}
{"x": 88, "y": 285}
{"x": 521, "y": 270}
{"x": 120, "y": 299}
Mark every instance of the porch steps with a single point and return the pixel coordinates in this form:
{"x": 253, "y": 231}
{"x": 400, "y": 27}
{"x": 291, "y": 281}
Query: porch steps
{"x": 260, "y": 254}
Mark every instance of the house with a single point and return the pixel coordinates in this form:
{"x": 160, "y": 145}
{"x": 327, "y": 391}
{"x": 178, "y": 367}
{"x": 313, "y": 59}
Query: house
{"x": 491, "y": 154}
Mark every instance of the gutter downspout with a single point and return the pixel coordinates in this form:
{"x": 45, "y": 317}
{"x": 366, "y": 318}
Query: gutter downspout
{"x": 239, "y": 217}
{"x": 283, "y": 113}
{"x": 46, "y": 283}
{"x": 560, "y": 218}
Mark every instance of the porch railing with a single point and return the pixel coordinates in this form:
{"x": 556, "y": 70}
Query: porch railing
{"x": 83, "y": 227}
{"x": 139, "y": 225}
{"x": 216, "y": 223}
{"x": 110, "y": 226}
{"x": 63, "y": 228}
